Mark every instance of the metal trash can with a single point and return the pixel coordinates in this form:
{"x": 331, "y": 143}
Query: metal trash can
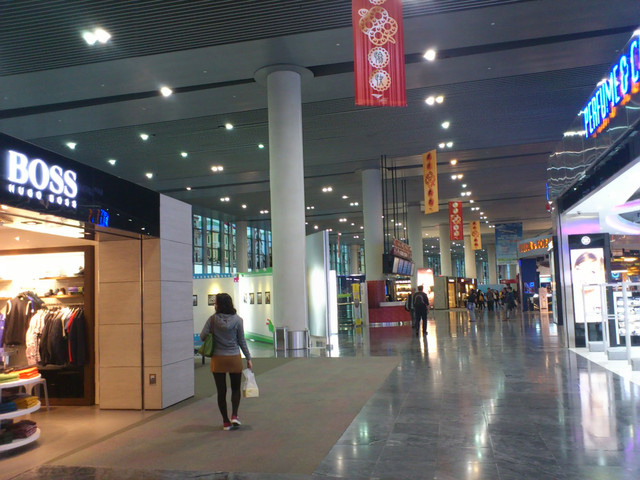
{"x": 280, "y": 339}
{"x": 298, "y": 340}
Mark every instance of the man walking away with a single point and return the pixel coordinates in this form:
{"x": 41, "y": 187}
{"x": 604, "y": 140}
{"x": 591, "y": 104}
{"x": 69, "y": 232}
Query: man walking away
{"x": 490, "y": 299}
{"x": 420, "y": 308}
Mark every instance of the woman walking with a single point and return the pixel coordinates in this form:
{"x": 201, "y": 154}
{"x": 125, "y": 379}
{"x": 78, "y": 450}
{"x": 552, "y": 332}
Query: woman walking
{"x": 228, "y": 337}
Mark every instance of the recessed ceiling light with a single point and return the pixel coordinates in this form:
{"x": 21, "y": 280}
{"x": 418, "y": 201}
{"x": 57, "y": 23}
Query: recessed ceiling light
{"x": 470, "y": 201}
{"x": 228, "y": 126}
{"x": 261, "y": 146}
{"x": 327, "y": 189}
{"x": 315, "y": 227}
{"x": 440, "y": 99}
{"x": 99, "y": 35}
{"x": 71, "y": 145}
{"x": 441, "y": 145}
{"x": 184, "y": 154}
{"x": 217, "y": 168}
{"x": 149, "y": 175}
{"x": 244, "y": 205}
{"x": 464, "y": 185}
{"x": 224, "y": 199}
{"x": 430, "y": 55}
{"x": 449, "y": 144}
{"x": 144, "y": 136}
{"x": 112, "y": 161}
{"x": 166, "y": 91}
{"x": 446, "y": 125}
{"x": 189, "y": 188}
{"x": 453, "y": 161}
{"x": 430, "y": 100}
{"x": 344, "y": 197}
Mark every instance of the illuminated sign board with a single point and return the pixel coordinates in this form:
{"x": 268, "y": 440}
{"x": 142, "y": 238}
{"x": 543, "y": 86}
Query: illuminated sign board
{"x": 533, "y": 245}
{"x": 615, "y": 90}
{"x": 34, "y": 178}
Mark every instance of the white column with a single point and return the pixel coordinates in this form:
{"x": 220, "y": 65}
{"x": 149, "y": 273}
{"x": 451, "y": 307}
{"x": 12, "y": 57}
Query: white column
{"x": 493, "y": 267}
{"x": 445, "y": 251}
{"x": 415, "y": 216}
{"x": 373, "y": 232}
{"x": 353, "y": 260}
{"x": 242, "y": 260}
{"x": 469, "y": 258}
{"x": 286, "y": 172}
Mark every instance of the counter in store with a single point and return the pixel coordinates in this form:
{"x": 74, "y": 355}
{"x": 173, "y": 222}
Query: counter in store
{"x": 389, "y": 312}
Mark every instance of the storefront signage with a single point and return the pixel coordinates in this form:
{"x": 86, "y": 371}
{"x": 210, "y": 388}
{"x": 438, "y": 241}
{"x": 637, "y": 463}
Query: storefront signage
{"x": 507, "y": 237}
{"x": 616, "y": 90}
{"x": 34, "y": 178}
{"x": 378, "y": 44}
{"x": 532, "y": 245}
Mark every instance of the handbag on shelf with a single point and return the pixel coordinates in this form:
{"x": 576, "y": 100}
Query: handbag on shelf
{"x": 206, "y": 349}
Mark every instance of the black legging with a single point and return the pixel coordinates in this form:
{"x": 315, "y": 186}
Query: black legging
{"x": 221, "y": 385}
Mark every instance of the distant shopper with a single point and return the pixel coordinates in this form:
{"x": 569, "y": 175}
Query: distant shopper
{"x": 510, "y": 300}
{"x": 471, "y": 305}
{"x": 490, "y": 299}
{"x": 420, "y": 309}
{"x": 228, "y": 335}
{"x": 480, "y": 300}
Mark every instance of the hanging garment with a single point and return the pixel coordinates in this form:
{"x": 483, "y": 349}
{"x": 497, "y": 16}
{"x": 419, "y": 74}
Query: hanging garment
{"x": 20, "y": 310}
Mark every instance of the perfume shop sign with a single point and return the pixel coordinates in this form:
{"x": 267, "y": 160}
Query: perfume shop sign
{"x": 37, "y": 179}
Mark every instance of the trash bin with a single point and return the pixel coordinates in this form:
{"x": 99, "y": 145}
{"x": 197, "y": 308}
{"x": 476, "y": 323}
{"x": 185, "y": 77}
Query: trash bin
{"x": 298, "y": 340}
{"x": 280, "y": 339}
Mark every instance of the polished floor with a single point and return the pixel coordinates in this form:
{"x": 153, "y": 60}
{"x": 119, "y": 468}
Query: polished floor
{"x": 492, "y": 399}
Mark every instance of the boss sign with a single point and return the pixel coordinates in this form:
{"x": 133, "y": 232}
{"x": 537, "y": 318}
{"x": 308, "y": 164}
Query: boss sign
{"x": 35, "y": 179}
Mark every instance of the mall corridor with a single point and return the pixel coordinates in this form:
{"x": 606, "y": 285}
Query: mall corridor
{"x": 495, "y": 399}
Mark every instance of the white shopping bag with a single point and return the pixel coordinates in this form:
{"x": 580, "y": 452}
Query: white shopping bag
{"x": 249, "y": 385}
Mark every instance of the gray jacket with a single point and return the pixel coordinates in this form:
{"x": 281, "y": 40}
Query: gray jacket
{"x": 228, "y": 334}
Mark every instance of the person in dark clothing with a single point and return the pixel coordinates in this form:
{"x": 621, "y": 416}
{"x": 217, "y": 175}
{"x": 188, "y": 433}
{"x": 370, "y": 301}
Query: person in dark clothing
{"x": 471, "y": 305}
{"x": 510, "y": 300}
{"x": 420, "y": 309}
{"x": 490, "y": 299}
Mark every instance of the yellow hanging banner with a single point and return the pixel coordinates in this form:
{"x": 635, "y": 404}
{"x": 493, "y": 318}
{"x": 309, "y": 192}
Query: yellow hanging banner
{"x": 430, "y": 176}
{"x": 476, "y": 237}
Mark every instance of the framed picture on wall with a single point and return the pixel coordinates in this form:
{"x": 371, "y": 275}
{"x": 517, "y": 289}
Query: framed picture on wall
{"x": 251, "y": 298}
{"x": 195, "y": 300}
{"x": 211, "y": 299}
{"x": 259, "y": 294}
{"x": 267, "y": 298}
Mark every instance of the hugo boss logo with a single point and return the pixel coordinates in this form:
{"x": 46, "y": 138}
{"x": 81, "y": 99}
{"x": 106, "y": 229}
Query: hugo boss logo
{"x": 34, "y": 178}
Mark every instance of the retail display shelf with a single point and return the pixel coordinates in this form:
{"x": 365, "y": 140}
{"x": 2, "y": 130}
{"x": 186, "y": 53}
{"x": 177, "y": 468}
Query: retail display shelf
{"x": 20, "y": 412}
{"x": 20, "y": 442}
{"x": 74, "y": 295}
{"x": 75, "y": 277}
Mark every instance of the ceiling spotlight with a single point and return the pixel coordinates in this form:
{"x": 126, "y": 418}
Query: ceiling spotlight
{"x": 228, "y": 126}
{"x": 327, "y": 189}
{"x": 430, "y": 100}
{"x": 166, "y": 91}
{"x": 441, "y": 145}
{"x": 189, "y": 189}
{"x": 184, "y": 154}
{"x": 353, "y": 204}
{"x": 315, "y": 227}
{"x": 344, "y": 197}
{"x": 112, "y": 161}
{"x": 430, "y": 55}
{"x": 99, "y": 35}
{"x": 342, "y": 220}
{"x": 470, "y": 201}
{"x": 217, "y": 168}
{"x": 439, "y": 99}
{"x": 453, "y": 177}
{"x": 149, "y": 175}
{"x": 453, "y": 161}
{"x": 71, "y": 145}
{"x": 264, "y": 212}
{"x": 224, "y": 199}
{"x": 446, "y": 125}
{"x": 261, "y": 146}
{"x": 244, "y": 206}
{"x": 464, "y": 185}
{"x": 144, "y": 136}
{"x": 449, "y": 144}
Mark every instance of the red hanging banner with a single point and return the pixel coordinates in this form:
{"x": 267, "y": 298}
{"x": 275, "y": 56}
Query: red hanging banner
{"x": 455, "y": 221}
{"x": 378, "y": 46}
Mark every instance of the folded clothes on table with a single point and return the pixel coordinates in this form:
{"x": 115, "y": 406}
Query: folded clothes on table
{"x": 26, "y": 402}
{"x": 30, "y": 372}
{"x": 9, "y": 377}
{"x": 8, "y": 407}
{"x": 23, "y": 428}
